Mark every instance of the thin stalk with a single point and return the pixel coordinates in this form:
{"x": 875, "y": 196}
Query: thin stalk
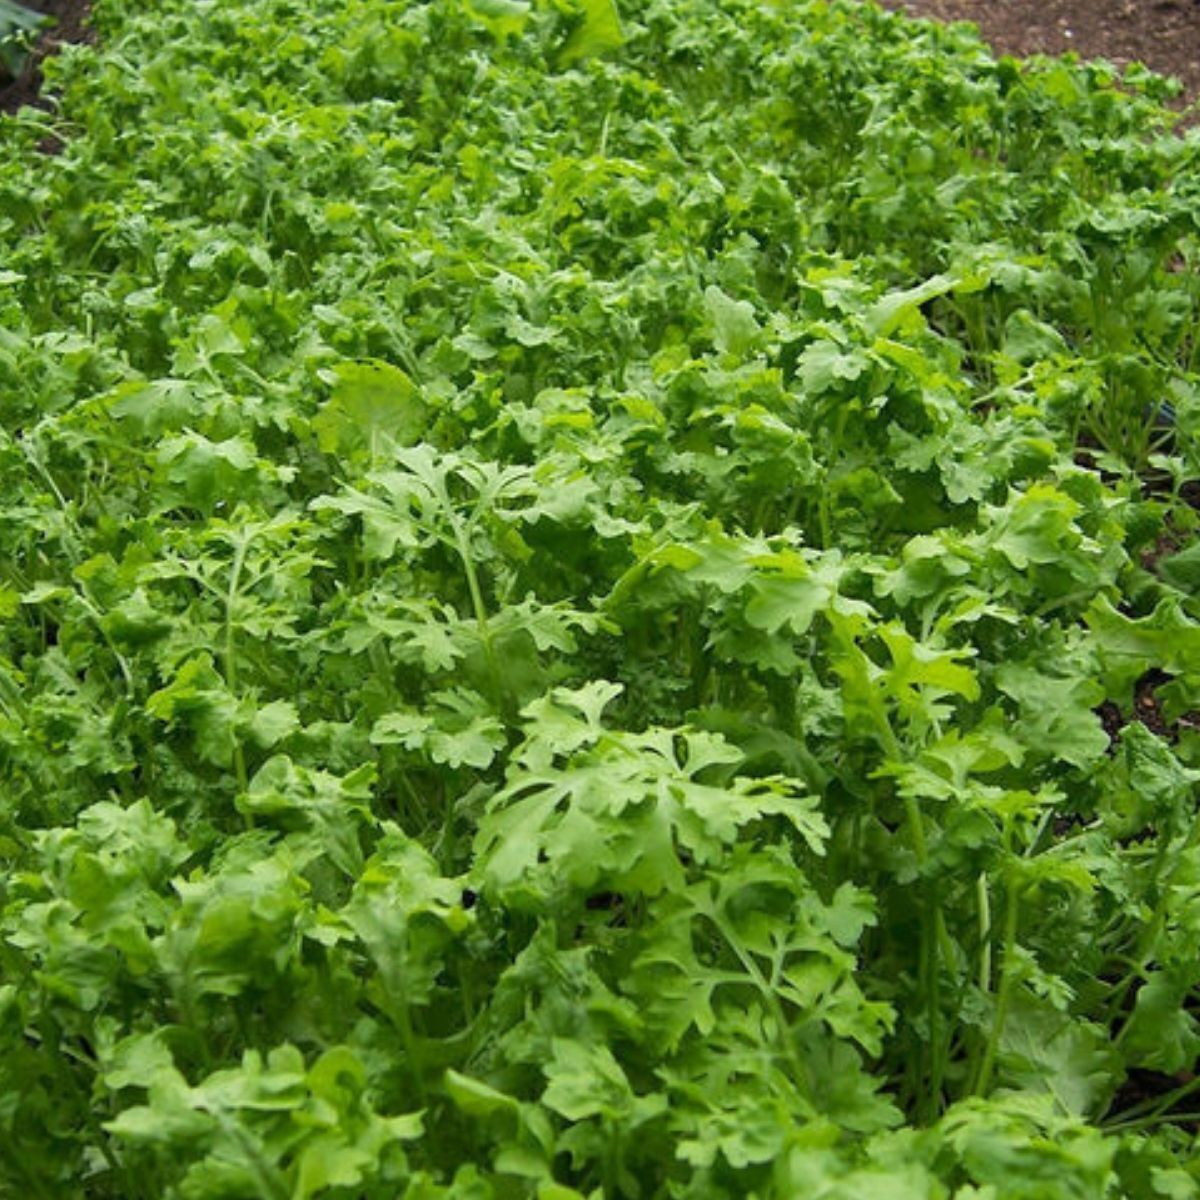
{"x": 932, "y": 974}
{"x": 1146, "y": 942}
{"x": 229, "y": 657}
{"x": 611, "y": 1159}
{"x": 984, "y": 901}
{"x": 766, "y": 991}
{"x": 122, "y": 665}
{"x": 935, "y": 938}
{"x": 403, "y": 1020}
{"x": 1145, "y": 1122}
{"x": 77, "y": 534}
{"x": 59, "y": 498}
{"x": 1158, "y": 1106}
{"x": 1004, "y": 995}
{"x": 269, "y": 1176}
{"x": 463, "y": 547}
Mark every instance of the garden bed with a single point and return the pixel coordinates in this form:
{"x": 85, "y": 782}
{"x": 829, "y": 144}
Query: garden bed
{"x": 596, "y": 605}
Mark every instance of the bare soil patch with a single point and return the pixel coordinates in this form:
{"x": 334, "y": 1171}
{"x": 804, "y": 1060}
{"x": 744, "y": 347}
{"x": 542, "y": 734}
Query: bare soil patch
{"x": 69, "y": 24}
{"x": 1164, "y": 35}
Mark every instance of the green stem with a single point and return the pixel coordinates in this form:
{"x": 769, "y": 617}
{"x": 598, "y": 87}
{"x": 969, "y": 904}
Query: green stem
{"x": 59, "y": 498}
{"x": 983, "y": 898}
{"x": 1144, "y": 1122}
{"x": 916, "y": 829}
{"x": 935, "y": 938}
{"x": 502, "y": 697}
{"x": 381, "y": 664}
{"x": 1149, "y": 938}
{"x": 611, "y": 1152}
{"x": 403, "y": 1020}
{"x": 269, "y": 1177}
{"x": 1004, "y": 995}
{"x": 94, "y": 613}
{"x": 1158, "y": 1106}
{"x": 932, "y": 973}
{"x": 230, "y": 658}
{"x": 935, "y": 944}
{"x": 768, "y": 994}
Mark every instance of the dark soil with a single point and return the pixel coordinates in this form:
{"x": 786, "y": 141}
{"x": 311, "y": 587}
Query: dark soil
{"x": 69, "y": 25}
{"x": 1147, "y": 709}
{"x": 1164, "y": 35}
{"x": 1143, "y": 1087}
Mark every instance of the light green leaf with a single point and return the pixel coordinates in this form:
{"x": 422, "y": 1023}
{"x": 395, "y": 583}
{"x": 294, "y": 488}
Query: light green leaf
{"x": 734, "y": 326}
{"x": 374, "y": 405}
{"x": 598, "y": 32}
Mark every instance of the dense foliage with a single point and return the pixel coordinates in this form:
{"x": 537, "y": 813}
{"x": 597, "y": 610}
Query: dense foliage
{"x": 559, "y": 579}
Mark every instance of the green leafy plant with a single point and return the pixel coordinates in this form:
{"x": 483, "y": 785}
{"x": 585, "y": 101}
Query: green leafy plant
{"x": 596, "y": 601}
{"x": 17, "y": 26}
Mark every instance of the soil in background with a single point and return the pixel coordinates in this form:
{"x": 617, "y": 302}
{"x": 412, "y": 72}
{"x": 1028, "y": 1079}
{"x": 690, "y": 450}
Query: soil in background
{"x": 1164, "y": 35}
{"x": 69, "y": 25}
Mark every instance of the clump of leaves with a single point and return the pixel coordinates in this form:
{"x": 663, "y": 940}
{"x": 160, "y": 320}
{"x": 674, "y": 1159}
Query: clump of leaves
{"x": 576, "y": 589}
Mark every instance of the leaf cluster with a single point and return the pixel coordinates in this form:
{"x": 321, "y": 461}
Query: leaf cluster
{"x": 575, "y": 588}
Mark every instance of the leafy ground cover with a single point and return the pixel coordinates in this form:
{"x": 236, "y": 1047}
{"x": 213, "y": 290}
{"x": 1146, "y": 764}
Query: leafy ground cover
{"x": 580, "y": 601}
